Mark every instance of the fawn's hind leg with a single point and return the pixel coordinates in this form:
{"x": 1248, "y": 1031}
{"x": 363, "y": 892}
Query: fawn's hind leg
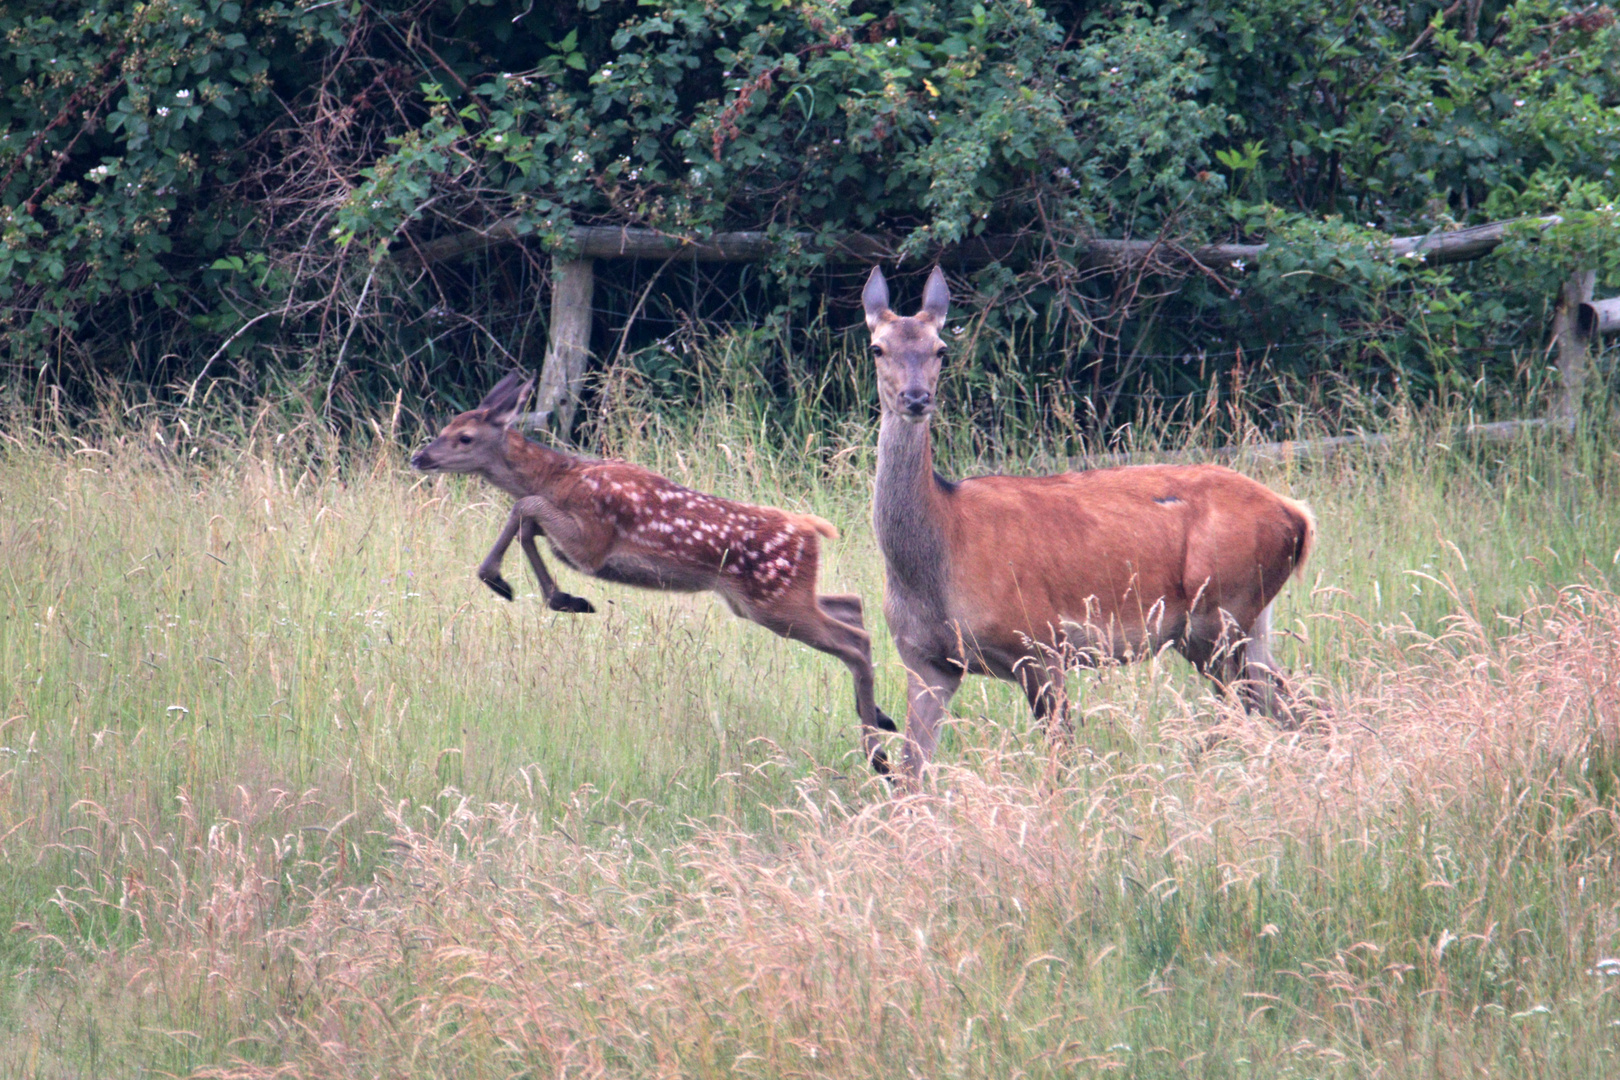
{"x": 556, "y": 599}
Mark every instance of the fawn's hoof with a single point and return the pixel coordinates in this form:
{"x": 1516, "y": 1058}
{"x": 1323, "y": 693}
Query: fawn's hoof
{"x": 880, "y": 758}
{"x": 498, "y": 586}
{"x": 573, "y": 605}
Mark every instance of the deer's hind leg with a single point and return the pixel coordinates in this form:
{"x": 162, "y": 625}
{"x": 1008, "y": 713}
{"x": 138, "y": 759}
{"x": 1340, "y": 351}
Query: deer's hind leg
{"x": 845, "y": 607}
{"x": 1238, "y": 659}
{"x": 556, "y": 599}
{"x": 802, "y": 617}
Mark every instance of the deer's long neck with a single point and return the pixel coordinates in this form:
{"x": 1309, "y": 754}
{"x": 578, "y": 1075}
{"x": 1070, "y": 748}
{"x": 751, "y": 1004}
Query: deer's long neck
{"x": 527, "y": 468}
{"x": 909, "y": 510}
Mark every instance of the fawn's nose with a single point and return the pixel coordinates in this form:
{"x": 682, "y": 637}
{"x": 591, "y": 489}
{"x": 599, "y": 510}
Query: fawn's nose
{"x": 420, "y": 460}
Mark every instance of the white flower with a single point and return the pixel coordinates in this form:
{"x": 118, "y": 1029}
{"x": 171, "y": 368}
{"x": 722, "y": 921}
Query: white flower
{"x": 1518, "y": 103}
{"x": 1239, "y": 264}
{"x": 581, "y": 157}
{"x": 183, "y": 95}
{"x": 163, "y": 110}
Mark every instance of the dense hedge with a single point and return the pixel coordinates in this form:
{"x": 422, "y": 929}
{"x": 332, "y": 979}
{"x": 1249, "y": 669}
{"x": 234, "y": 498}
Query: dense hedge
{"x": 197, "y": 188}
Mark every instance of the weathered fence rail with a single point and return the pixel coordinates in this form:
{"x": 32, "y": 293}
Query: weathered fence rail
{"x": 1599, "y": 317}
{"x": 601, "y": 242}
{"x": 1579, "y": 321}
{"x": 1302, "y": 450}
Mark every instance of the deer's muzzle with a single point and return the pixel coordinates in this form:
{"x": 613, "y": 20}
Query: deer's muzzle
{"x": 916, "y": 403}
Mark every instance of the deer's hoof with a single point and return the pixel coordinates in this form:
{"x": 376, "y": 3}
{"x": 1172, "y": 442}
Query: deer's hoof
{"x": 884, "y": 721}
{"x": 498, "y": 586}
{"x": 880, "y": 764}
{"x": 573, "y": 605}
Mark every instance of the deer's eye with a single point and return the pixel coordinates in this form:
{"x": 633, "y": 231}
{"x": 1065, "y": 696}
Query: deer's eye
{"x": 877, "y": 350}
{"x": 465, "y": 439}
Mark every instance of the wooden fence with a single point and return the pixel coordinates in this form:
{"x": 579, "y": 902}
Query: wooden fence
{"x": 1578, "y": 323}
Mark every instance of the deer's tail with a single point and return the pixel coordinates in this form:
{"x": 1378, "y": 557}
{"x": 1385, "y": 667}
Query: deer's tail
{"x": 821, "y": 525}
{"x": 1307, "y": 535}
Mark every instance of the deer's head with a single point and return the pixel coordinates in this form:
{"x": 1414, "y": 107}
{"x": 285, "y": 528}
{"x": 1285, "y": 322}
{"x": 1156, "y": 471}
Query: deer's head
{"x": 908, "y": 350}
{"x": 473, "y": 442}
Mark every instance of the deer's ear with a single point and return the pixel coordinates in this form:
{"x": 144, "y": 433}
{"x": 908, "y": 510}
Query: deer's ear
{"x": 875, "y": 298}
{"x": 502, "y": 403}
{"x": 502, "y": 391}
{"x": 936, "y": 297}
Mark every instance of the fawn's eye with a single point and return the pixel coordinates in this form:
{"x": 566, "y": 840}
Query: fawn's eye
{"x": 464, "y": 440}
{"x": 877, "y": 350}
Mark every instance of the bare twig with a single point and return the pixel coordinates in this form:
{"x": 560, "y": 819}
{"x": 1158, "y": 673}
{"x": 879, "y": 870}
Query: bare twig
{"x": 354, "y": 321}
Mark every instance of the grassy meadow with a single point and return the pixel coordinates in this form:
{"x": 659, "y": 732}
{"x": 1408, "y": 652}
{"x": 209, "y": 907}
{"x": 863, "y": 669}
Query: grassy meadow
{"x": 284, "y": 791}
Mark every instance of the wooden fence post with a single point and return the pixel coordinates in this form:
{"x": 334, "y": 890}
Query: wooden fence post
{"x": 573, "y": 283}
{"x": 1572, "y": 346}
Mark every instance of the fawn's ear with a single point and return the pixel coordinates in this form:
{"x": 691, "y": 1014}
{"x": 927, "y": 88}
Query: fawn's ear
{"x": 502, "y": 403}
{"x": 936, "y": 298}
{"x": 875, "y": 298}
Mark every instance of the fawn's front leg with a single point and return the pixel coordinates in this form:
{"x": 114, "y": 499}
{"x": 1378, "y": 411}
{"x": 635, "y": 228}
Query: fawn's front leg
{"x": 489, "y": 571}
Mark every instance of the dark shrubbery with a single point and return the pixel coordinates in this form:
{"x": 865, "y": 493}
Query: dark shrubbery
{"x": 196, "y": 189}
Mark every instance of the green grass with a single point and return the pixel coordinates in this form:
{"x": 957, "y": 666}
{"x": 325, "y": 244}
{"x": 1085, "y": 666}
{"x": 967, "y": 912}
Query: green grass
{"x": 282, "y": 786}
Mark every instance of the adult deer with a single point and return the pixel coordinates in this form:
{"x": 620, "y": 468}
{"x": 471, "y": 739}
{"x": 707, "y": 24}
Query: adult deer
{"x": 1022, "y": 577}
{"x": 620, "y": 522}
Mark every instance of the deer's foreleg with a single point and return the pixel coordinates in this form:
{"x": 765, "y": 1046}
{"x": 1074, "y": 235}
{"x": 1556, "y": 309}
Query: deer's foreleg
{"x": 530, "y": 525}
{"x": 489, "y": 571}
{"x": 930, "y": 685}
{"x": 1043, "y": 682}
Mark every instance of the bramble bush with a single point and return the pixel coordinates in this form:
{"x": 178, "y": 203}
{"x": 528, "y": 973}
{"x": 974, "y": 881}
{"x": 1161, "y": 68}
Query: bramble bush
{"x": 196, "y": 190}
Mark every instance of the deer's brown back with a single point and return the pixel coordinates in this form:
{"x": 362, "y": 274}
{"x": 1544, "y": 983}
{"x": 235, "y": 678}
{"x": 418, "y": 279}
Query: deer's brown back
{"x": 758, "y": 550}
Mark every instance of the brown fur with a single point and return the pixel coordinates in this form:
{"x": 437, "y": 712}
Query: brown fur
{"x": 621, "y": 522}
{"x": 1023, "y": 577}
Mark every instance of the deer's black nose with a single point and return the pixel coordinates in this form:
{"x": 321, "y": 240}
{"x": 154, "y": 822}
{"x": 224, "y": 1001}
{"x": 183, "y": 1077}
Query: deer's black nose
{"x": 420, "y": 460}
{"x": 916, "y": 402}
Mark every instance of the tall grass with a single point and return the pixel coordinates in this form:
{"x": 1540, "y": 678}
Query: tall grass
{"x": 284, "y": 790}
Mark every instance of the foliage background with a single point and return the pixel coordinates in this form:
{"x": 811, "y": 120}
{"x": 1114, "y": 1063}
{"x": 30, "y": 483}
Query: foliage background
{"x": 213, "y": 197}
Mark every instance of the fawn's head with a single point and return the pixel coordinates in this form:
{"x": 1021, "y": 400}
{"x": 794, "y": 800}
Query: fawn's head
{"x": 908, "y": 350}
{"x": 473, "y": 441}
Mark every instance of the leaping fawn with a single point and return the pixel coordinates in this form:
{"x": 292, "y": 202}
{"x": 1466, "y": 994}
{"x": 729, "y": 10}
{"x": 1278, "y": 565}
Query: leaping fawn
{"x": 1022, "y": 577}
{"x": 620, "y": 522}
